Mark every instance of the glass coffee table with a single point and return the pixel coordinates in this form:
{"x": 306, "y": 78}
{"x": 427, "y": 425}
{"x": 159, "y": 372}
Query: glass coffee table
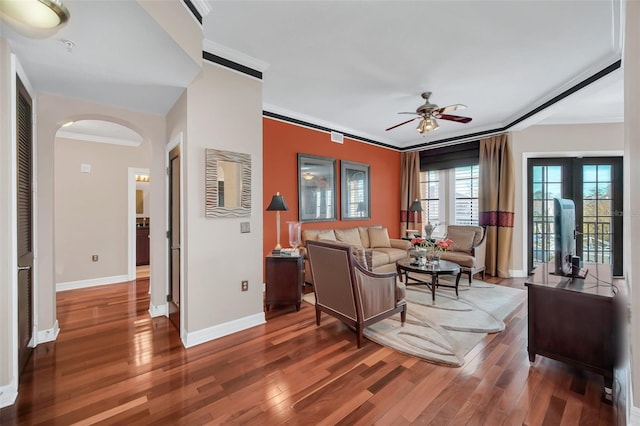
{"x": 442, "y": 267}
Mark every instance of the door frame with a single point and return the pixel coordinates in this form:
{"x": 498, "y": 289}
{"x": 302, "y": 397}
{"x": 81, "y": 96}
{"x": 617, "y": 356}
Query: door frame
{"x": 10, "y": 392}
{"x": 524, "y": 188}
{"x": 131, "y": 237}
{"x": 177, "y": 141}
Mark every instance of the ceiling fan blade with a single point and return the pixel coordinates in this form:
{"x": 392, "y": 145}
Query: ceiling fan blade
{"x": 400, "y": 124}
{"x": 456, "y": 118}
{"x": 449, "y": 108}
{"x": 405, "y": 112}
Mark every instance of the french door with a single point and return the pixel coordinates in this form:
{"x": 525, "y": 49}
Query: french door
{"x": 595, "y": 186}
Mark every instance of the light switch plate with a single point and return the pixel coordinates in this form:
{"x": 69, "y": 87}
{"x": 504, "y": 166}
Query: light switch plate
{"x": 245, "y": 227}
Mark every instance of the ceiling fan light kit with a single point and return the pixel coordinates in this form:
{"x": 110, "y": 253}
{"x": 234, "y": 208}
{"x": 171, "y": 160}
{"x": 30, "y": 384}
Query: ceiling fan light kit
{"x": 427, "y": 124}
{"x": 429, "y": 112}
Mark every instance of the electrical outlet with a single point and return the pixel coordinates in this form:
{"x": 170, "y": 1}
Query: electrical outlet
{"x": 94, "y": 258}
{"x": 245, "y": 285}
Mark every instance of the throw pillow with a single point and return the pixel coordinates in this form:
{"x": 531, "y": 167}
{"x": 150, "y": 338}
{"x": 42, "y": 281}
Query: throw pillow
{"x": 327, "y": 235}
{"x": 462, "y": 239}
{"x": 379, "y": 237}
{"x": 349, "y": 236}
{"x": 364, "y": 234}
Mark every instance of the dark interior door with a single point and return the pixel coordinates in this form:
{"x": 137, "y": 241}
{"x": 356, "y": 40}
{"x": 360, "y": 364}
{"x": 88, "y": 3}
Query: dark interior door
{"x": 24, "y": 224}
{"x": 174, "y": 237}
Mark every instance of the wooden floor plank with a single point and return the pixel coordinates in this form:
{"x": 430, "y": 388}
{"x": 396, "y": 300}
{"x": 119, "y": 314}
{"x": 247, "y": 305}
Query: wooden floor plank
{"x": 113, "y": 364}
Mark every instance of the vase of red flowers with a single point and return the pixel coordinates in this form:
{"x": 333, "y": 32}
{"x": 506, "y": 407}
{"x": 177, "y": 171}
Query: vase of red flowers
{"x": 431, "y": 249}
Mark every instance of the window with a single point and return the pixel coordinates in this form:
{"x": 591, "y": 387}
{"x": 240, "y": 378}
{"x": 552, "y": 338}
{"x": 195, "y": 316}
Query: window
{"x": 466, "y": 193}
{"x": 449, "y": 197}
{"x": 430, "y": 194}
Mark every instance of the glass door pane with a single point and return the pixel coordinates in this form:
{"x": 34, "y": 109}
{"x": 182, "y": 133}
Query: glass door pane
{"x": 547, "y": 185}
{"x": 597, "y": 213}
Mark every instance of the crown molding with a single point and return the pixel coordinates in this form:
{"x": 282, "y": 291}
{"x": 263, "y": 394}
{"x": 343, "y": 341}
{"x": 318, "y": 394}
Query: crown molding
{"x": 203, "y": 6}
{"x": 234, "y": 55}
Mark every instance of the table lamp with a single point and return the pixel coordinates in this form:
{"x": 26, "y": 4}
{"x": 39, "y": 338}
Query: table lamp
{"x": 416, "y": 207}
{"x": 277, "y": 204}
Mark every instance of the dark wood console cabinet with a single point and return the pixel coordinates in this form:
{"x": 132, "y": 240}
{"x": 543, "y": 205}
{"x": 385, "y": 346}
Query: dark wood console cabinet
{"x": 575, "y": 320}
{"x": 142, "y": 246}
{"x": 284, "y": 280}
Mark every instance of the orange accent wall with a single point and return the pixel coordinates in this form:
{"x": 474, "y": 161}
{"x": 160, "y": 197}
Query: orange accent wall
{"x": 281, "y": 144}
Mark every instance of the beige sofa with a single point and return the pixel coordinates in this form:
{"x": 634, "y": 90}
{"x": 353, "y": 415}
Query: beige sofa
{"x": 381, "y": 251}
{"x": 468, "y": 249}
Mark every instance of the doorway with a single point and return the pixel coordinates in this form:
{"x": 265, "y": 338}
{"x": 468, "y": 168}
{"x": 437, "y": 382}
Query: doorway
{"x": 174, "y": 293}
{"x": 595, "y": 186}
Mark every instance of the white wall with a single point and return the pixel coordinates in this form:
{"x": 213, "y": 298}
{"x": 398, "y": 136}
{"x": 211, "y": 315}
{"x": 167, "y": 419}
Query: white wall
{"x": 91, "y": 209}
{"x": 586, "y": 140}
{"x": 224, "y": 111}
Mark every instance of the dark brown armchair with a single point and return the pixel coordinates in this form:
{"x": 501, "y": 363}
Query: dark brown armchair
{"x": 348, "y": 291}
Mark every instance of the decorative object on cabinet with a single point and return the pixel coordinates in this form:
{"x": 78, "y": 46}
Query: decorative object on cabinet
{"x": 355, "y": 190}
{"x": 316, "y": 188}
{"x": 227, "y": 184}
{"x": 294, "y": 234}
{"x": 277, "y": 204}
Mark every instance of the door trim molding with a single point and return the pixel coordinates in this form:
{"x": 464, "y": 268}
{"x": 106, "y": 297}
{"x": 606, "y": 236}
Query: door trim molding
{"x": 8, "y": 394}
{"x": 49, "y": 335}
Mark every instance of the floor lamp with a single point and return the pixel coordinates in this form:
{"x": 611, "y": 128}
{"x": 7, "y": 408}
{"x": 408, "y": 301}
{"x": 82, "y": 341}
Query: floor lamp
{"x": 277, "y": 205}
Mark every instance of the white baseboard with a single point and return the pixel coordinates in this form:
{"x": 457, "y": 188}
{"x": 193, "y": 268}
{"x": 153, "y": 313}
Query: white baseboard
{"x": 8, "y": 394}
{"x": 217, "y": 331}
{"x": 518, "y": 273}
{"x": 634, "y": 417}
{"x": 157, "y": 310}
{"x": 73, "y": 285}
{"x": 48, "y": 335}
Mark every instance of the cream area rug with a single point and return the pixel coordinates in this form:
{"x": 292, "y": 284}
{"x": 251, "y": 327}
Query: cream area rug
{"x": 445, "y": 331}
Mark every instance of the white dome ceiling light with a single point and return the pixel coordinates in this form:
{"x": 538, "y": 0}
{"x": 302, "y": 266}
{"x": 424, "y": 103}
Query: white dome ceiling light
{"x": 35, "y": 18}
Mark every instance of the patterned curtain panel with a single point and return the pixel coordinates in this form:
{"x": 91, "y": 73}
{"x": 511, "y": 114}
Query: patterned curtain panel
{"x": 497, "y": 199}
{"x": 409, "y": 191}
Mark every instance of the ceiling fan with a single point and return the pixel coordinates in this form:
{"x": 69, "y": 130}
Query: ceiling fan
{"x": 428, "y": 112}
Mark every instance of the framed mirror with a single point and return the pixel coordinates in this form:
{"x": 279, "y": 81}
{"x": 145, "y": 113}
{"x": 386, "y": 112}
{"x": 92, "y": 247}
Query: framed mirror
{"x": 355, "y": 188}
{"x": 316, "y": 188}
{"x": 227, "y": 184}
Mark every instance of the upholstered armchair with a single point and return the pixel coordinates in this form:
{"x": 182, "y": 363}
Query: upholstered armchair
{"x": 348, "y": 291}
{"x": 468, "y": 248}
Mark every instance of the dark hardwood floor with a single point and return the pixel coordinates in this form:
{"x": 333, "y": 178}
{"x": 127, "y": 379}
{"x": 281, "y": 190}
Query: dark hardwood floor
{"x": 113, "y": 364}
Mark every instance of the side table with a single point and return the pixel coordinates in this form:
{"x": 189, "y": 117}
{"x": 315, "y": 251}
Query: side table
{"x": 284, "y": 280}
